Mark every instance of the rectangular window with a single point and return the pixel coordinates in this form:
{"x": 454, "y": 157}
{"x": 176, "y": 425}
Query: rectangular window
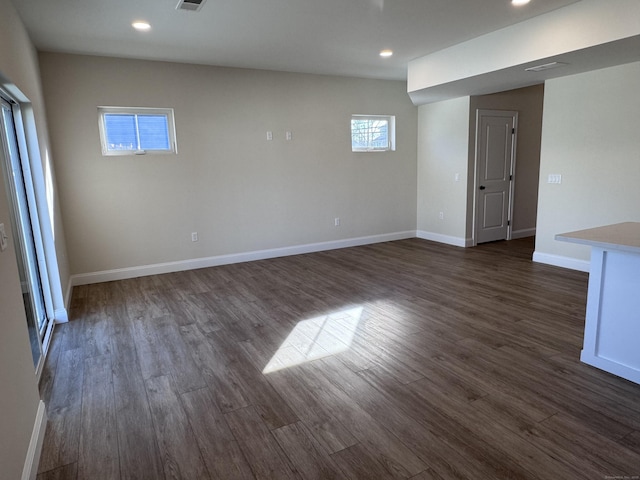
{"x": 136, "y": 131}
{"x": 373, "y": 133}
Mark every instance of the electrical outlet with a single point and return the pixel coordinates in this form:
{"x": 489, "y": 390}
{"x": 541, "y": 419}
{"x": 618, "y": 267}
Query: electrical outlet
{"x": 336, "y": 222}
{"x": 288, "y": 135}
{"x": 194, "y": 236}
{"x": 269, "y": 135}
{"x": 441, "y": 215}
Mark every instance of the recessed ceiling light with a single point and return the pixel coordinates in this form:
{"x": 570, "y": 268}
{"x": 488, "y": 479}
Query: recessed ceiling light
{"x": 519, "y": 3}
{"x": 386, "y": 52}
{"x": 141, "y": 26}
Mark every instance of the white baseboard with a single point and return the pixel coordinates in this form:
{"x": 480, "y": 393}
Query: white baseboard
{"x": 60, "y": 315}
{"x": 35, "y": 445}
{"x": 192, "y": 264}
{"x": 561, "y": 261}
{"x": 449, "y": 240}
{"x": 524, "y": 233}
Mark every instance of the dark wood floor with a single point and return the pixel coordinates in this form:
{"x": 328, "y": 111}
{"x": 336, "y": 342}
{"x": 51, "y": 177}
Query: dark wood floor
{"x": 406, "y": 359}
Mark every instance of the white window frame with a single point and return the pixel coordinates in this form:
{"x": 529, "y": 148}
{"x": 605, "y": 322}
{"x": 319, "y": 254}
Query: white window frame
{"x": 167, "y": 112}
{"x": 391, "y": 145}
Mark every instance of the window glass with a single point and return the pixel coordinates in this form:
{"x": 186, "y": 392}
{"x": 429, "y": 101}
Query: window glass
{"x": 128, "y": 131}
{"x": 371, "y": 133}
{"x": 121, "y": 131}
{"x": 154, "y": 134}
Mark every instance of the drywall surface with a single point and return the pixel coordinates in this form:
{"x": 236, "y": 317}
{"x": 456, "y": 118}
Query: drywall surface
{"x": 19, "y": 395}
{"x": 581, "y": 25}
{"x": 443, "y": 167}
{"x": 590, "y": 136}
{"x": 238, "y": 190}
{"x": 20, "y": 77}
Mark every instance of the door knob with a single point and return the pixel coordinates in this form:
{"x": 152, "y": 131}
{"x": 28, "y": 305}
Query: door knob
{"x": 482, "y": 187}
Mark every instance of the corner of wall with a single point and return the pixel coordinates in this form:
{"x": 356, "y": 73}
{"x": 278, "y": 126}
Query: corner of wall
{"x": 443, "y": 172}
{"x": 32, "y": 459}
{"x": 561, "y": 261}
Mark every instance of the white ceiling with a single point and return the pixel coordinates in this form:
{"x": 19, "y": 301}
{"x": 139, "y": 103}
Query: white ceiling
{"x": 336, "y": 37}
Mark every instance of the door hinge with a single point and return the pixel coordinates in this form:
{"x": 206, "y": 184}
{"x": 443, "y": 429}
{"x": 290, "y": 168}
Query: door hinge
{"x": 508, "y": 222}
{"x": 510, "y": 177}
{"x": 513, "y": 130}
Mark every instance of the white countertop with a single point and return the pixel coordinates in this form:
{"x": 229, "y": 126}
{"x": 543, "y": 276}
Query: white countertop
{"x": 621, "y": 236}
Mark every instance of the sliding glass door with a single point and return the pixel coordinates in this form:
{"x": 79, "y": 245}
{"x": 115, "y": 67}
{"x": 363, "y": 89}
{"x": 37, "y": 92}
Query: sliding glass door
{"x": 24, "y": 221}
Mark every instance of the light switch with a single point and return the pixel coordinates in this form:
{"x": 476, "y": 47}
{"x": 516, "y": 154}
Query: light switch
{"x": 3, "y": 238}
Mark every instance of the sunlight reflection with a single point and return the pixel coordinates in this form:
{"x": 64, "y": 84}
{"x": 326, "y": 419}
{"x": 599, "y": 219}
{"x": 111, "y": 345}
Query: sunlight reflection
{"x": 48, "y": 186}
{"x": 316, "y": 338}
{"x": 379, "y": 4}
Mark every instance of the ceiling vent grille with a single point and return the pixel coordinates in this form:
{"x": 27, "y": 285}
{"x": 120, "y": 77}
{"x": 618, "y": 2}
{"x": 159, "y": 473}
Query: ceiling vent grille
{"x": 190, "y": 5}
{"x": 546, "y": 66}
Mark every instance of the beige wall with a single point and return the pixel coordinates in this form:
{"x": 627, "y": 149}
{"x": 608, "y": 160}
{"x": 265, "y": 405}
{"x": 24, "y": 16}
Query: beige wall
{"x": 528, "y": 103}
{"x": 591, "y": 136}
{"x": 19, "y": 397}
{"x": 19, "y": 67}
{"x": 443, "y": 150}
{"x": 240, "y": 192}
{"x": 446, "y": 147}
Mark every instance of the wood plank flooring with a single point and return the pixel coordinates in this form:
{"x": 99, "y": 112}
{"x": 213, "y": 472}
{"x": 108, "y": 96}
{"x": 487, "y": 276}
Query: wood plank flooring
{"x": 406, "y": 359}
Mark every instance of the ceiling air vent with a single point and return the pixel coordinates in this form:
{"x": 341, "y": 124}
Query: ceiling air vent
{"x": 190, "y": 5}
{"x": 546, "y": 66}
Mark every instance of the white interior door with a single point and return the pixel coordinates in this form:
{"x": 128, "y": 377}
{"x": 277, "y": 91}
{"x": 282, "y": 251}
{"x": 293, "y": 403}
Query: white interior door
{"x": 495, "y": 163}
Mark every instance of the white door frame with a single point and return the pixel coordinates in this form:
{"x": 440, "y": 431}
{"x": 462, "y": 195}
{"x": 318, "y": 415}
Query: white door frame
{"x": 476, "y": 182}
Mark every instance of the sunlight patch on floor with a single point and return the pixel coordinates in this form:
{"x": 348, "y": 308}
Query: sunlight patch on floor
{"x": 316, "y": 338}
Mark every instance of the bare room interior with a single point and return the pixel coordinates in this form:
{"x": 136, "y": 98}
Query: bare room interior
{"x": 311, "y": 240}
